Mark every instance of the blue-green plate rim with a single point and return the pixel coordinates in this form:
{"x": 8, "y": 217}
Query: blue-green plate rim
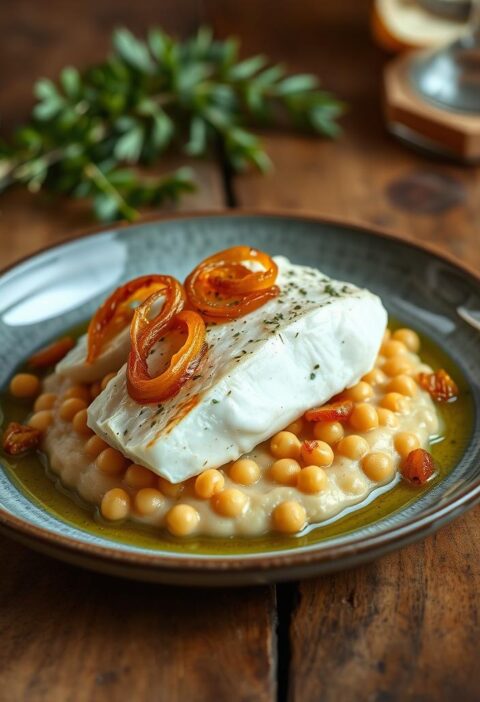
{"x": 264, "y": 566}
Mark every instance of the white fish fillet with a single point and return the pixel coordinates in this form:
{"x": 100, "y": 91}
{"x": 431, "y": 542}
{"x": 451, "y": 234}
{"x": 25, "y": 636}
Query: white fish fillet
{"x": 260, "y": 373}
{"x": 74, "y": 365}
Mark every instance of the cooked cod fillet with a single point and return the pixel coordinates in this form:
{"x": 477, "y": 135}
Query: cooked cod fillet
{"x": 260, "y": 373}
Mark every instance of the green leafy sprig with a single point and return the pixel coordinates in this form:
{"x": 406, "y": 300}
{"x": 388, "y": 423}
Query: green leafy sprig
{"x": 89, "y": 133}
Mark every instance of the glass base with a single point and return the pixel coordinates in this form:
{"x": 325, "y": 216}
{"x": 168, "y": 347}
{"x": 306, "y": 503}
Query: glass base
{"x": 449, "y": 78}
{"x": 425, "y": 145}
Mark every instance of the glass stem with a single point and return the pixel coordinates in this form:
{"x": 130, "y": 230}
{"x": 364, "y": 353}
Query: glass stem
{"x": 473, "y": 35}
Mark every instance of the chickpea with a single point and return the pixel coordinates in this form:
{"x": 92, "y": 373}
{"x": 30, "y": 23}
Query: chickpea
{"x": 296, "y": 427}
{"x": 409, "y": 338}
{"x": 230, "y": 502}
{"x": 352, "y": 446}
{"x": 378, "y": 466}
{"x": 330, "y": 432}
{"x": 95, "y": 390}
{"x": 79, "y": 391}
{"x": 289, "y": 517}
{"x": 41, "y": 420}
{"x": 386, "y": 417}
{"x": 397, "y": 366}
{"x": 80, "y": 425}
{"x": 106, "y": 380}
{"x": 312, "y": 479}
{"x": 285, "y": 445}
{"x": 182, "y": 520}
{"x": 148, "y": 500}
{"x": 317, "y": 453}
{"x": 405, "y": 442}
{"x": 111, "y": 461}
{"x": 359, "y": 392}
{"x": 70, "y": 407}
{"x": 375, "y": 377}
{"x": 386, "y": 336}
{"x": 139, "y": 477}
{"x": 115, "y": 504}
{"x": 285, "y": 471}
{"x": 24, "y": 385}
{"x": 95, "y": 445}
{"x": 393, "y": 348}
{"x": 170, "y": 489}
{"x": 245, "y": 471}
{"x": 364, "y": 417}
{"x": 404, "y": 384}
{"x": 395, "y": 402}
{"x": 209, "y": 483}
{"x": 45, "y": 401}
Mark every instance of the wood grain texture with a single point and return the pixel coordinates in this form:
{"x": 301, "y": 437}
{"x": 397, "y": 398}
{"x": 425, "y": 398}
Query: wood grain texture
{"x": 408, "y": 626}
{"x": 353, "y": 177}
{"x": 70, "y": 635}
{"x": 29, "y": 222}
{"x": 404, "y": 628}
{"x": 66, "y": 634}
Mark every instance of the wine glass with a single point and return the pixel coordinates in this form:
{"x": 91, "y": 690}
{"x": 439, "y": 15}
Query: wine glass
{"x": 449, "y": 77}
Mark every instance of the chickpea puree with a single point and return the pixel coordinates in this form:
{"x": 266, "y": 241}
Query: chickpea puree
{"x": 305, "y": 474}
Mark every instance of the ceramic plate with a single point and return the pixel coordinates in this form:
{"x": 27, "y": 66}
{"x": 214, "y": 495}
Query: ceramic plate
{"x": 59, "y": 288}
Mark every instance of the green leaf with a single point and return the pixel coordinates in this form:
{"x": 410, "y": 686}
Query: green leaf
{"x": 129, "y": 146}
{"x": 246, "y": 69}
{"x": 197, "y": 143}
{"x": 190, "y": 76}
{"x": 133, "y": 51}
{"x": 105, "y": 207}
{"x": 126, "y": 123}
{"x": 50, "y": 100}
{"x": 203, "y": 40}
{"x": 71, "y": 82}
{"x": 323, "y": 121}
{"x": 270, "y": 75}
{"x": 122, "y": 177}
{"x": 261, "y": 160}
{"x": 28, "y": 137}
{"x": 158, "y": 42}
{"x": 223, "y": 96}
{"x": 44, "y": 89}
{"x": 148, "y": 96}
{"x": 218, "y": 118}
{"x": 243, "y": 138}
{"x": 296, "y": 84}
{"x": 162, "y": 129}
{"x": 225, "y": 53}
{"x": 44, "y": 111}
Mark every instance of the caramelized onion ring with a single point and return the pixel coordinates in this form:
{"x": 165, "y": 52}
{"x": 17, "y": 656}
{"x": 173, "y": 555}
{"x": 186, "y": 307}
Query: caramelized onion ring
{"x": 141, "y": 386}
{"x": 222, "y": 288}
{"x": 116, "y": 312}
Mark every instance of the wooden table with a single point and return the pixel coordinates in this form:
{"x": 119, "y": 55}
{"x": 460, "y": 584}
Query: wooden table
{"x": 406, "y": 627}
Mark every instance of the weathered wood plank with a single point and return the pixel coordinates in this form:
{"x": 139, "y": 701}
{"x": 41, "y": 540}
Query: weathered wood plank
{"x": 404, "y": 628}
{"x": 366, "y": 176}
{"x": 66, "y": 634}
{"x": 407, "y": 626}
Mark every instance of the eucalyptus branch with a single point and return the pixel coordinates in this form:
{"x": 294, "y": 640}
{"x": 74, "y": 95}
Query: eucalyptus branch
{"x": 149, "y": 97}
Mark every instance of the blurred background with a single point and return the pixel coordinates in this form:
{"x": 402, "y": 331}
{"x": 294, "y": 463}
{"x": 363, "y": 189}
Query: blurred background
{"x": 366, "y": 175}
